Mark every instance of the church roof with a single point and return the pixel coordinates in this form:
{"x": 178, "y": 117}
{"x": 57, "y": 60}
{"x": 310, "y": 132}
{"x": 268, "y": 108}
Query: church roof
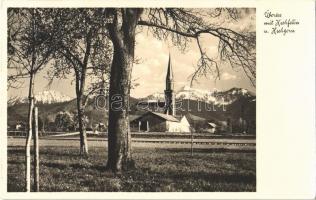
{"x": 133, "y": 117}
{"x": 191, "y": 117}
{"x": 166, "y": 117}
{"x": 160, "y": 115}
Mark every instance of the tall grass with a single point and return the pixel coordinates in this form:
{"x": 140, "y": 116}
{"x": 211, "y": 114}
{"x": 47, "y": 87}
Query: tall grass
{"x": 157, "y": 170}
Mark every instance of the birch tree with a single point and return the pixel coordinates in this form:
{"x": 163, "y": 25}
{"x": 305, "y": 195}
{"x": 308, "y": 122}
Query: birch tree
{"x": 83, "y": 50}
{"x": 29, "y": 50}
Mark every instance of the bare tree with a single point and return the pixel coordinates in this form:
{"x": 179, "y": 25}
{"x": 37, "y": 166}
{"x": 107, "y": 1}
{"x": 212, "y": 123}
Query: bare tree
{"x": 29, "y": 50}
{"x": 11, "y": 101}
{"x": 184, "y": 25}
{"x": 83, "y": 49}
{"x": 180, "y": 26}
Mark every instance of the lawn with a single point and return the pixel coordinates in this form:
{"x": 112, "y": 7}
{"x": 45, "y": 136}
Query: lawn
{"x": 157, "y": 170}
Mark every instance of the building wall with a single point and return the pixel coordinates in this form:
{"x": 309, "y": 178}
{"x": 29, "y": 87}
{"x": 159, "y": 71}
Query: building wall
{"x": 156, "y": 124}
{"x": 134, "y": 126}
{"x": 210, "y": 130}
{"x": 182, "y": 126}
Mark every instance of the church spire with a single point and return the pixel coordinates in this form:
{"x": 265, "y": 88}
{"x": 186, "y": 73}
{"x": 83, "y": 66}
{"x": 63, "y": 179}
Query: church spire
{"x": 169, "y": 77}
{"x": 169, "y": 97}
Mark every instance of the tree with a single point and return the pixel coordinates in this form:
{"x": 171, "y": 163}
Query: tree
{"x": 181, "y": 26}
{"x": 29, "y": 50}
{"x": 83, "y": 49}
{"x": 64, "y": 121}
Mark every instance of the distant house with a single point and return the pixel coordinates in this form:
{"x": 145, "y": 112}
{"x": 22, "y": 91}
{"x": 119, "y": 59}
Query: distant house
{"x": 225, "y": 126}
{"x": 20, "y": 126}
{"x": 199, "y": 124}
{"x": 211, "y": 127}
{"x": 196, "y": 122}
{"x": 99, "y": 127}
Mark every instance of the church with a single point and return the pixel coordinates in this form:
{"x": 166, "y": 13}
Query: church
{"x": 162, "y": 117}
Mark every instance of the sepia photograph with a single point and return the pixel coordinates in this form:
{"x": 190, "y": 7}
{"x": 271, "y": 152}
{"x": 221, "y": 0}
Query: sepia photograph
{"x": 131, "y": 99}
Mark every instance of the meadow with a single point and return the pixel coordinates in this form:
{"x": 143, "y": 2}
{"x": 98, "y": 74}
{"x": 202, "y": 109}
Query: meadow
{"x": 157, "y": 170}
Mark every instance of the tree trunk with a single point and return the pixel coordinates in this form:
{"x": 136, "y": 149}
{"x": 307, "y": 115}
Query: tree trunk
{"x": 43, "y": 126}
{"x": 82, "y": 127}
{"x": 119, "y": 137}
{"x": 36, "y": 150}
{"x": 29, "y": 136}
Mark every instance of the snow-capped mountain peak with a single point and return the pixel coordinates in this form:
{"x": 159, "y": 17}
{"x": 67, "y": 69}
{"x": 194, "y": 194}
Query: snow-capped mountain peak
{"x": 214, "y": 96}
{"x": 51, "y": 96}
{"x": 157, "y": 96}
{"x": 240, "y": 91}
{"x": 187, "y": 92}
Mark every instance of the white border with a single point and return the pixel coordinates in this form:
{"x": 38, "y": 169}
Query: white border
{"x": 303, "y": 189}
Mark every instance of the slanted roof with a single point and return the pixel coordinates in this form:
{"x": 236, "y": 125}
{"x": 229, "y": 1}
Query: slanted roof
{"x": 212, "y": 124}
{"x": 195, "y": 118}
{"x": 160, "y": 115}
{"x": 133, "y": 117}
{"x": 166, "y": 117}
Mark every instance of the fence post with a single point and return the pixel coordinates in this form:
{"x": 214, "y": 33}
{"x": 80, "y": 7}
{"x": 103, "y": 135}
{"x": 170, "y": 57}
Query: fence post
{"x": 36, "y": 151}
{"x": 191, "y": 143}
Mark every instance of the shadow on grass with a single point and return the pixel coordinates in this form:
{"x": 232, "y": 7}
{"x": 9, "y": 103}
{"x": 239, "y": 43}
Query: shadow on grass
{"x": 150, "y": 181}
{"x": 80, "y": 165}
{"x": 215, "y": 177}
{"x": 16, "y": 162}
{"x": 16, "y": 150}
{"x": 157, "y": 170}
{"x": 181, "y": 175}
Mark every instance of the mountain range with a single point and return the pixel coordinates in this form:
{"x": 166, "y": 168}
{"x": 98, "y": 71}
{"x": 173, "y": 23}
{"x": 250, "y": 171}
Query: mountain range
{"x": 236, "y": 102}
{"x": 211, "y": 96}
{"x": 45, "y": 97}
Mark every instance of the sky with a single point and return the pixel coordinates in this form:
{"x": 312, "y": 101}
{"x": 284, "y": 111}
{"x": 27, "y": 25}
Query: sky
{"x": 150, "y": 72}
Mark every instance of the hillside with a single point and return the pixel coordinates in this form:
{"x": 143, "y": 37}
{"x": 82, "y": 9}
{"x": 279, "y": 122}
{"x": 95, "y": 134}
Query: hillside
{"x": 48, "y": 111}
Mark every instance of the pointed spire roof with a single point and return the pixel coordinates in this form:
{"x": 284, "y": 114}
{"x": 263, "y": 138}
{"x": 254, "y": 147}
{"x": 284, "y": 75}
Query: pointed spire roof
{"x": 169, "y": 71}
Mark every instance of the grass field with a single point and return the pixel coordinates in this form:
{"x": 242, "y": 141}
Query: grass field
{"x": 157, "y": 170}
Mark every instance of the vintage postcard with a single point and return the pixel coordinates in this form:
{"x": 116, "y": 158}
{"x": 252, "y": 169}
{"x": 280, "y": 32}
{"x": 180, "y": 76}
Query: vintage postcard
{"x": 157, "y": 100}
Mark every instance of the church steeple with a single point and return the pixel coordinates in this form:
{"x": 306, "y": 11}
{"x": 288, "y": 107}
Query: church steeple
{"x": 169, "y": 77}
{"x": 169, "y": 97}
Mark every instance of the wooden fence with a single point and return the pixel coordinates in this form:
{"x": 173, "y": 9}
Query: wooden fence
{"x": 137, "y": 135}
